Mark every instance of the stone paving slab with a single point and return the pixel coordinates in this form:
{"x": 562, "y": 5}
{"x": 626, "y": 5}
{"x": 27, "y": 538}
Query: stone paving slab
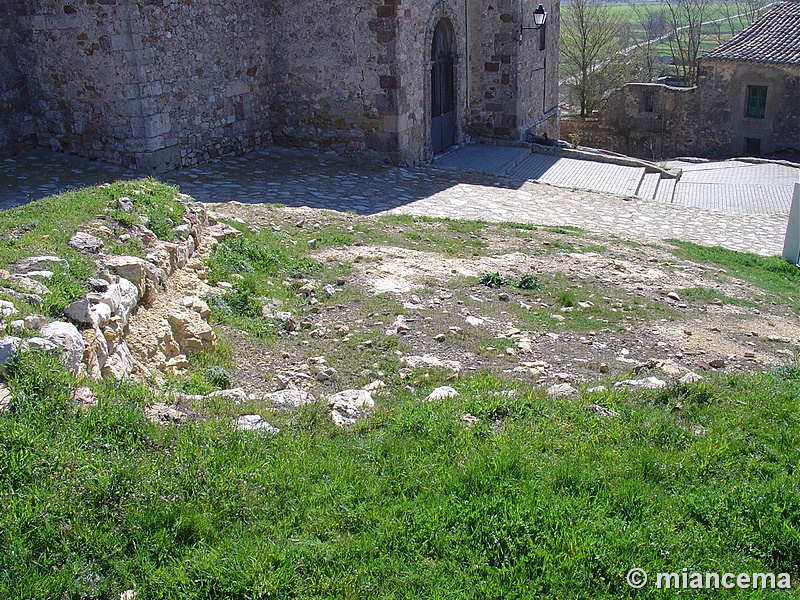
{"x": 300, "y": 178}
{"x": 483, "y": 158}
{"x": 758, "y": 199}
{"x": 579, "y": 174}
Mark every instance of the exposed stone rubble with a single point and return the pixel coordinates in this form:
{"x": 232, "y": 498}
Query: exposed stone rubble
{"x": 441, "y": 393}
{"x": 124, "y": 287}
{"x": 346, "y": 407}
{"x": 254, "y": 423}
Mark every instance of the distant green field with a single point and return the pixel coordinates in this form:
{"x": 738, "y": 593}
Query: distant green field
{"x": 723, "y": 21}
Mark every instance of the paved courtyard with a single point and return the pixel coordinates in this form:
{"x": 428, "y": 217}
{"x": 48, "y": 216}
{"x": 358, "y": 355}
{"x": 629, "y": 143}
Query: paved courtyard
{"x": 300, "y": 178}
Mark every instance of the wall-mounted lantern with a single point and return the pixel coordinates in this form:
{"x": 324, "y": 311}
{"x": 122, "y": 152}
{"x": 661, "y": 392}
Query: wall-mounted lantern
{"x": 539, "y": 17}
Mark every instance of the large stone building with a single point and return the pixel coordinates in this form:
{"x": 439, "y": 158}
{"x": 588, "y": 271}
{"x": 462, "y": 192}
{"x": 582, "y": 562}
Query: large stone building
{"x": 160, "y": 84}
{"x": 746, "y": 102}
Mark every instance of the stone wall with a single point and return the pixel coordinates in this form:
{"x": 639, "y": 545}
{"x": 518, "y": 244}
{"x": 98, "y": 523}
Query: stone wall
{"x": 159, "y": 84}
{"x": 17, "y": 128}
{"x": 723, "y": 88}
{"x": 654, "y": 121}
{"x": 514, "y": 75}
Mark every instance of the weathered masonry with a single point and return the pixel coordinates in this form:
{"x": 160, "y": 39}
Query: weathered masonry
{"x": 161, "y": 84}
{"x": 746, "y": 102}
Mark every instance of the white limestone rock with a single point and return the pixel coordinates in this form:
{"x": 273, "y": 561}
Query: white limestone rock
{"x": 7, "y": 309}
{"x": 132, "y": 268}
{"x": 649, "y": 383}
{"x": 346, "y": 407}
{"x": 119, "y": 363}
{"x": 255, "y": 423}
{"x": 67, "y": 336}
{"x": 290, "y": 397}
{"x": 562, "y": 390}
{"x": 86, "y": 242}
{"x": 441, "y": 393}
{"x": 190, "y": 330}
{"x": 39, "y": 263}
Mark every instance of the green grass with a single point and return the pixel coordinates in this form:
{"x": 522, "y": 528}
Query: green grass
{"x": 45, "y": 226}
{"x": 779, "y": 279}
{"x": 540, "y": 499}
{"x": 706, "y": 294}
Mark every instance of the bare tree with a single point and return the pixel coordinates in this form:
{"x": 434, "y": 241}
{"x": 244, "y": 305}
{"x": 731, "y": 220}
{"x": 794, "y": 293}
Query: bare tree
{"x": 740, "y": 14}
{"x": 653, "y": 25}
{"x": 590, "y": 45}
{"x": 685, "y": 19}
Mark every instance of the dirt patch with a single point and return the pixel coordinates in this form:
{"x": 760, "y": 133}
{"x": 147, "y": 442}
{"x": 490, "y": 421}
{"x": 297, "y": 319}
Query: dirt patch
{"x": 607, "y": 307}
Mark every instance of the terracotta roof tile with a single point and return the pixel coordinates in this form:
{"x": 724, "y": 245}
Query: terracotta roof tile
{"x": 773, "y": 38}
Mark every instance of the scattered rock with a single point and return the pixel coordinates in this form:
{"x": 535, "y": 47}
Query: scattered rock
{"x": 7, "y": 309}
{"x": 85, "y": 398}
{"x": 674, "y": 296}
{"x": 717, "y": 363}
{"x": 474, "y": 321}
{"x": 125, "y": 205}
{"x": 67, "y": 336}
{"x": 35, "y": 322}
{"x": 131, "y": 268}
{"x": 469, "y": 419}
{"x": 649, "y": 383}
{"x": 236, "y": 395}
{"x": 441, "y": 393}
{"x": 29, "y": 298}
{"x": 191, "y": 331}
{"x": 430, "y": 361}
{"x": 602, "y": 411}
{"x": 290, "y": 397}
{"x": 39, "y": 263}
{"x": 160, "y": 413}
{"x": 182, "y": 231}
{"x": 6, "y": 399}
{"x": 28, "y": 284}
{"x": 329, "y": 290}
{"x": 596, "y": 389}
{"x": 561, "y": 390}
{"x": 346, "y": 407}
{"x": 254, "y": 423}
{"x": 399, "y": 326}
{"x": 375, "y": 386}
{"x": 37, "y": 344}
{"x": 86, "y": 242}
{"x": 690, "y": 377}
{"x": 503, "y": 297}
{"x": 119, "y": 364}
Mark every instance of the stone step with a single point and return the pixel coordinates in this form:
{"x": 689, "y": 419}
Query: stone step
{"x": 648, "y": 186}
{"x": 666, "y": 190}
{"x": 580, "y": 174}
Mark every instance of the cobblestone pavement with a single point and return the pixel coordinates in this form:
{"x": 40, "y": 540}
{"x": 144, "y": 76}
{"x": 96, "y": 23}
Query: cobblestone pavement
{"x": 299, "y": 178}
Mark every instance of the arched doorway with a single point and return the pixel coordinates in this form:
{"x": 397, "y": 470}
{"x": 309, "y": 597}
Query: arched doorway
{"x": 443, "y": 88}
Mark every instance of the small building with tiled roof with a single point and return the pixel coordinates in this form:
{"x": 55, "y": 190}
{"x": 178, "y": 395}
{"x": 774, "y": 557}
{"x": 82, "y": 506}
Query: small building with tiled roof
{"x": 746, "y": 101}
{"x": 750, "y": 85}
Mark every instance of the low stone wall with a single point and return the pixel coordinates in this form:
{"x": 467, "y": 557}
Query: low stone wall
{"x": 124, "y": 288}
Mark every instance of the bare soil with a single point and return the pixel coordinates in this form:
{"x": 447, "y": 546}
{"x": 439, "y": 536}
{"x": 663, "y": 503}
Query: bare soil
{"x": 608, "y": 309}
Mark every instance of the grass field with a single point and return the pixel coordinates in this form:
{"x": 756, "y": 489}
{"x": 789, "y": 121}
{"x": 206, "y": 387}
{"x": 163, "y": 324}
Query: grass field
{"x": 538, "y": 498}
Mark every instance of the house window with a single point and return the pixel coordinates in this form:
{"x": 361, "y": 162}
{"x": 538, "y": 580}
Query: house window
{"x": 649, "y": 101}
{"x": 752, "y": 146}
{"x": 756, "y": 105}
